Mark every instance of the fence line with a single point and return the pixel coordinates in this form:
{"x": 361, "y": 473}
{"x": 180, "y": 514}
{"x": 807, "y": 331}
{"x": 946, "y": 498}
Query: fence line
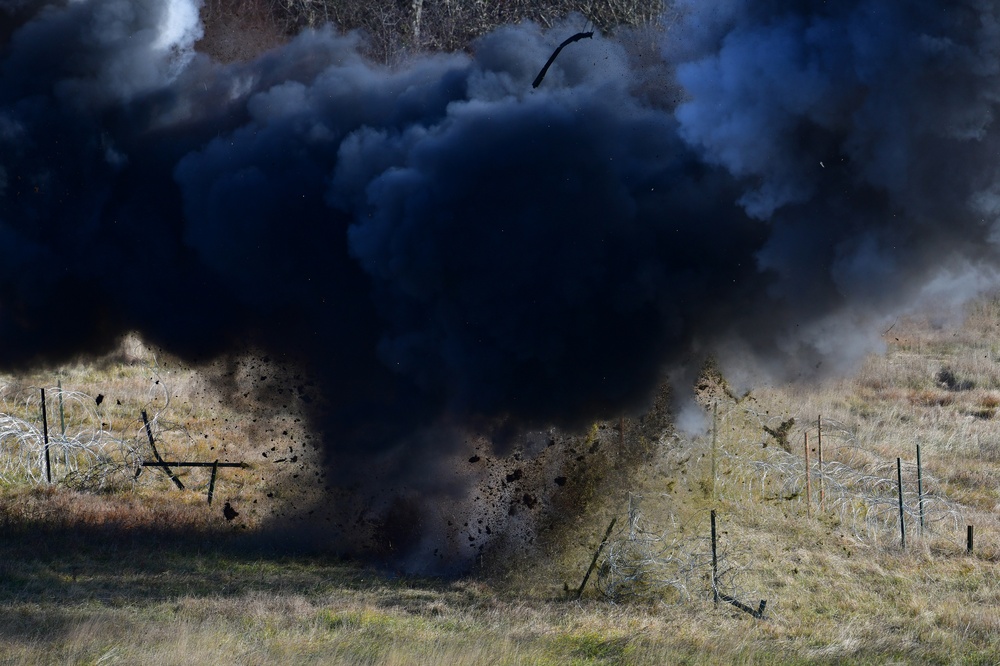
{"x": 667, "y": 561}
{"x": 84, "y": 452}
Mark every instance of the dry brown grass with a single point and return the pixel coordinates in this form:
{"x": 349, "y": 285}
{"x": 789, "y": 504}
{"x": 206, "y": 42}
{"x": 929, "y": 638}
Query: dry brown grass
{"x": 152, "y": 574}
{"x": 144, "y": 573}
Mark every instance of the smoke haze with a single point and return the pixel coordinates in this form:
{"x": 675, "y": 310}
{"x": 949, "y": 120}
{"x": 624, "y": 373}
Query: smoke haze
{"x": 439, "y": 248}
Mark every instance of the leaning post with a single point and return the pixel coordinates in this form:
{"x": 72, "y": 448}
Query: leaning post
{"x": 597, "y": 554}
{"x": 156, "y": 454}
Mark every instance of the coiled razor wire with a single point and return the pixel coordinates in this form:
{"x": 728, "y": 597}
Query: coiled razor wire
{"x": 82, "y": 451}
{"x": 83, "y": 446}
{"x": 858, "y": 486}
{"x": 666, "y": 563}
{"x": 671, "y": 563}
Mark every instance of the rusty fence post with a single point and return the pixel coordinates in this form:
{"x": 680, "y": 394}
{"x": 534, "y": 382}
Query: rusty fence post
{"x": 45, "y": 439}
{"x": 902, "y": 522}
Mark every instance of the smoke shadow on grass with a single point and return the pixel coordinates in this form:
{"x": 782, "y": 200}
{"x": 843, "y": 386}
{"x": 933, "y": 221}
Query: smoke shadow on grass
{"x": 48, "y": 573}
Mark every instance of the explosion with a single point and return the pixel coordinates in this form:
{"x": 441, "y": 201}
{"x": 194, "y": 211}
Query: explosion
{"x": 445, "y": 259}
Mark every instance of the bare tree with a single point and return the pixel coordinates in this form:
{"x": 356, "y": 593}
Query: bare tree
{"x": 397, "y": 26}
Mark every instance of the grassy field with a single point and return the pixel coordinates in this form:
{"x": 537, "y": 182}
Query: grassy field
{"x": 112, "y": 569}
{"x": 107, "y": 566}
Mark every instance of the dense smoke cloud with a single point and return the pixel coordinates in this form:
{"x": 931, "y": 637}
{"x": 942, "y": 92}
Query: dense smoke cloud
{"x": 438, "y": 246}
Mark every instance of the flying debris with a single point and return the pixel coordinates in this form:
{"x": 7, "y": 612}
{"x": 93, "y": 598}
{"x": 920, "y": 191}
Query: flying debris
{"x": 552, "y": 58}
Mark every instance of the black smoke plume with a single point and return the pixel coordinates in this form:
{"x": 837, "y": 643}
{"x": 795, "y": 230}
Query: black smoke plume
{"x": 442, "y": 249}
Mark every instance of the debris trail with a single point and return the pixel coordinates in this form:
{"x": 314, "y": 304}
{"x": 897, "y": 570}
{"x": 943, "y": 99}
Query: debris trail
{"x": 552, "y": 58}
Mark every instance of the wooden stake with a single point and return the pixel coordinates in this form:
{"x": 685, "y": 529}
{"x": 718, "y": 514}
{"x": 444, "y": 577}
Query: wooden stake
{"x": 968, "y": 540}
{"x": 45, "y": 438}
{"x": 593, "y": 562}
{"x": 902, "y": 523}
